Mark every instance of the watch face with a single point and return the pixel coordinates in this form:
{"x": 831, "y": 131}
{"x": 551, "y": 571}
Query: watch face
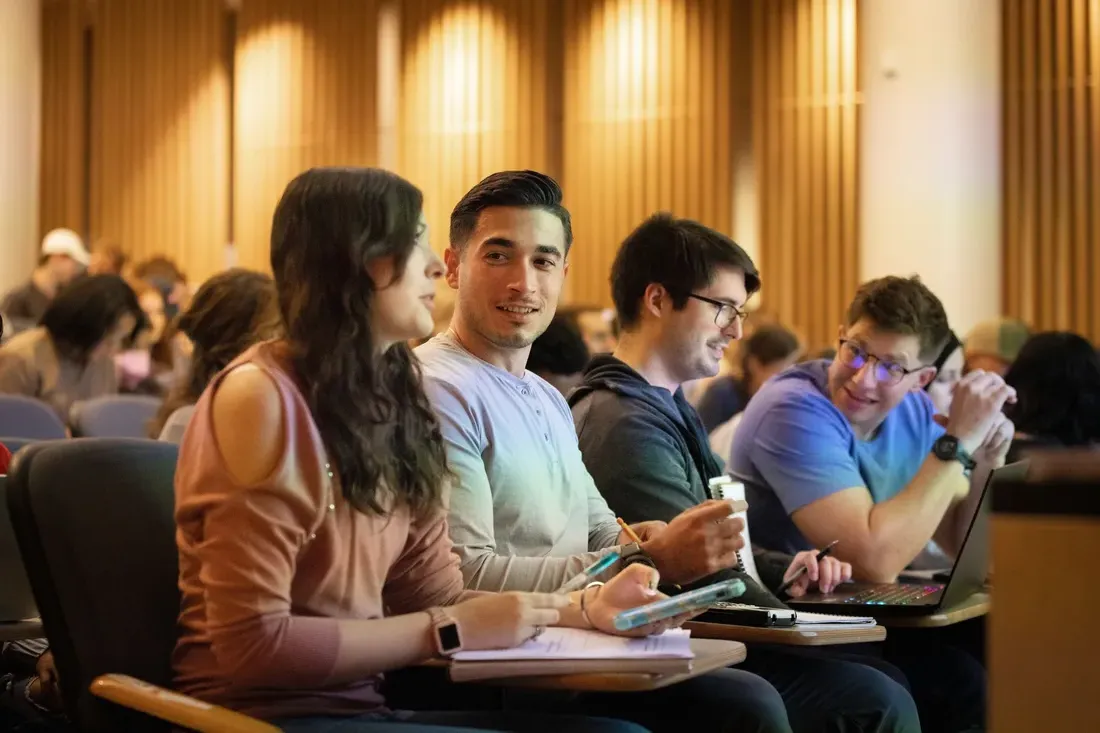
{"x": 947, "y": 447}
{"x": 448, "y": 638}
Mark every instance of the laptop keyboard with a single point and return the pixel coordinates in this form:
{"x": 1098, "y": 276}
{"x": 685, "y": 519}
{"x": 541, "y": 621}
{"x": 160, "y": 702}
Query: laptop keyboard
{"x": 894, "y": 595}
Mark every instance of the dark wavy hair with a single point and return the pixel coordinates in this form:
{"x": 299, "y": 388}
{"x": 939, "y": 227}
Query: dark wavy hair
{"x": 85, "y": 312}
{"x": 1057, "y": 380}
{"x": 382, "y": 437}
{"x": 230, "y": 312}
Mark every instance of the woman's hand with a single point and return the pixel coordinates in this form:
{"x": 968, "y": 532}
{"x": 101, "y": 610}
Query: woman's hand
{"x": 505, "y": 620}
{"x": 826, "y": 574}
{"x": 633, "y": 587}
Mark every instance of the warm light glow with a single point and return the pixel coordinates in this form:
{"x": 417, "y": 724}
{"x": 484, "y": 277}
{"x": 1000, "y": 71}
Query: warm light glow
{"x": 264, "y": 59}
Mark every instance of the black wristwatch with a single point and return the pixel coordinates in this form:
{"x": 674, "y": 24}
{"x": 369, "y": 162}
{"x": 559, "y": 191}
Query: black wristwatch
{"x": 948, "y": 448}
{"x": 633, "y": 553}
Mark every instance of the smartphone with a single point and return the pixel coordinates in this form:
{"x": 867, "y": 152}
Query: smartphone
{"x": 689, "y": 602}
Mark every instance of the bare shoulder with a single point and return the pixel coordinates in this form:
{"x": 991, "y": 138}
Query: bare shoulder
{"x": 248, "y": 419}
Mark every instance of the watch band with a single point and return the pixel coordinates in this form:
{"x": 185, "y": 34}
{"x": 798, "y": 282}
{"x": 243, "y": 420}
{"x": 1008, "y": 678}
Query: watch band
{"x": 445, "y": 632}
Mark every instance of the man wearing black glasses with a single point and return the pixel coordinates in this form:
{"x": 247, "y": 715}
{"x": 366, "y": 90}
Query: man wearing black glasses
{"x": 850, "y": 449}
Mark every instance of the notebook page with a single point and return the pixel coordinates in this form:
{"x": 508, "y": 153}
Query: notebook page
{"x": 564, "y": 643}
{"x": 735, "y": 490}
{"x": 804, "y": 618}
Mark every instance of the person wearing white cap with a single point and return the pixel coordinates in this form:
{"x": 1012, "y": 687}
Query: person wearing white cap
{"x": 63, "y": 258}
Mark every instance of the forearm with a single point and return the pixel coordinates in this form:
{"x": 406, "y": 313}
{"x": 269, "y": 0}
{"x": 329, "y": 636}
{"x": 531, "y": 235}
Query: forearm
{"x": 368, "y": 648}
{"x": 488, "y": 571}
{"x": 899, "y": 528}
{"x": 956, "y": 522}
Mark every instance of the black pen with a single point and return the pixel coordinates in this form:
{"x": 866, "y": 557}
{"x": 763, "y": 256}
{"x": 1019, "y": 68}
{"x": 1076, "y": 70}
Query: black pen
{"x": 820, "y": 556}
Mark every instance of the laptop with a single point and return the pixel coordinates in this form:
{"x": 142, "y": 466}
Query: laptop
{"x": 908, "y": 598}
{"x": 16, "y": 599}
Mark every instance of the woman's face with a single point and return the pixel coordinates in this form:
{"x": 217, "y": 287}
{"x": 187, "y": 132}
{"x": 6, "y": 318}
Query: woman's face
{"x": 402, "y": 309}
{"x": 942, "y": 387}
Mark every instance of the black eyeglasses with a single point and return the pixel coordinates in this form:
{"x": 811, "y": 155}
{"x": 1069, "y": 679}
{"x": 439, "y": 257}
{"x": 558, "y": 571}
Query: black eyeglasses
{"x": 887, "y": 372}
{"x": 727, "y": 312}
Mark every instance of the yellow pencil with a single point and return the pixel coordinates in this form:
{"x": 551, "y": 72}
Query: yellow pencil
{"x": 629, "y": 532}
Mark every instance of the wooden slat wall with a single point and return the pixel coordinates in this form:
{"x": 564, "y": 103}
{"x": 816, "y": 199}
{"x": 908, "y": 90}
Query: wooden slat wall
{"x": 479, "y": 94}
{"x": 63, "y": 178}
{"x": 304, "y": 95}
{"x": 160, "y": 130}
{"x": 648, "y": 123}
{"x": 806, "y": 126}
{"x": 1051, "y": 137}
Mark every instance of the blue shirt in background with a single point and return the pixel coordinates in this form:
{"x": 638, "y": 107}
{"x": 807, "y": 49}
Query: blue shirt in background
{"x": 794, "y": 447}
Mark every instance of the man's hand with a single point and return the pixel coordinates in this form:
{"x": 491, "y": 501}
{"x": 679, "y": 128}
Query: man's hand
{"x": 976, "y": 405}
{"x": 826, "y": 574}
{"x": 994, "y": 449}
{"x": 646, "y": 531}
{"x": 699, "y": 542}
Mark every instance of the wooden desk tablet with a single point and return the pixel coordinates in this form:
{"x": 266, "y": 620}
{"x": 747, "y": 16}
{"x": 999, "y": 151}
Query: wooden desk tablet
{"x": 19, "y": 630}
{"x": 792, "y": 636}
{"x": 710, "y": 654}
{"x": 973, "y": 607}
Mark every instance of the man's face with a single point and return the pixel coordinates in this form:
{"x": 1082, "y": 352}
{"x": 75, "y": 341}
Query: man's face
{"x": 693, "y": 339}
{"x": 509, "y": 275}
{"x": 872, "y": 372}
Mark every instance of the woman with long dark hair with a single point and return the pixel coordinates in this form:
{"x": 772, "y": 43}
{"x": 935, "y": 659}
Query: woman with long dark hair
{"x": 314, "y": 552}
{"x": 230, "y": 312}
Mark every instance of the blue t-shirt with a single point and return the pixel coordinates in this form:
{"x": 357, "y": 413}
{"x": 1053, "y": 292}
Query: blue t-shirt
{"x": 794, "y": 447}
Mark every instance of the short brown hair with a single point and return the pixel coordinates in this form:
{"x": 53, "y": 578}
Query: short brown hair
{"x": 904, "y": 306}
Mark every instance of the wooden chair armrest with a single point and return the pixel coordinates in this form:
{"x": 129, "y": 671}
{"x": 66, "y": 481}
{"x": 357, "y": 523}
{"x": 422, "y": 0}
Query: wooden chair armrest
{"x": 174, "y": 707}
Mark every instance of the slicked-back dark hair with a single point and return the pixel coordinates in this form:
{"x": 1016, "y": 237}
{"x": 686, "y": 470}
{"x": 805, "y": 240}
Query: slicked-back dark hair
{"x": 524, "y": 189}
{"x": 85, "y": 311}
{"x": 380, "y": 432}
{"x": 906, "y": 307}
{"x": 681, "y": 255}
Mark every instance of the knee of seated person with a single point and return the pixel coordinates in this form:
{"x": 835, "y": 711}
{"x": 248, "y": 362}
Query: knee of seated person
{"x": 744, "y": 697}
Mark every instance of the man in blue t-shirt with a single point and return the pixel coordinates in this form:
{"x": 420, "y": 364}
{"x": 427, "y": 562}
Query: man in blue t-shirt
{"x": 850, "y": 450}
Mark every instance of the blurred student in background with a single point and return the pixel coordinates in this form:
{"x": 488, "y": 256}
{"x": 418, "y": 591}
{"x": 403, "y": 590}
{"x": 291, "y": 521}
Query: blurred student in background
{"x": 71, "y": 356}
{"x": 1056, "y": 376}
{"x": 229, "y": 313}
{"x": 63, "y": 259}
{"x": 559, "y": 355}
{"x": 992, "y": 345}
{"x": 770, "y": 349}
{"x": 949, "y": 370}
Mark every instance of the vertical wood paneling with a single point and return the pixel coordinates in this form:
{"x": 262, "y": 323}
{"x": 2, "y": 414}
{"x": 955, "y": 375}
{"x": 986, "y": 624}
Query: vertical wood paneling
{"x": 1051, "y": 139}
{"x": 479, "y": 81}
{"x": 63, "y": 177}
{"x": 305, "y": 95}
{"x": 806, "y": 96}
{"x": 160, "y": 130}
{"x": 648, "y": 122}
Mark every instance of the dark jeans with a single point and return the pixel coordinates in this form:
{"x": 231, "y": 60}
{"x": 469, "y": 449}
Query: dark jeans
{"x": 832, "y": 693}
{"x": 788, "y": 693}
{"x": 441, "y": 722}
{"x": 946, "y": 673}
